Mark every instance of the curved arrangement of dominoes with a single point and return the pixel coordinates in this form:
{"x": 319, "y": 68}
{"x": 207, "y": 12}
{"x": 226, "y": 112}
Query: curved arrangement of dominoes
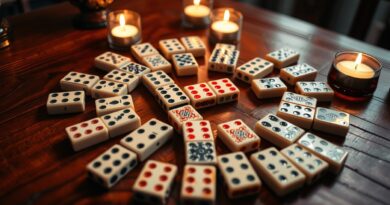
{"x": 301, "y": 157}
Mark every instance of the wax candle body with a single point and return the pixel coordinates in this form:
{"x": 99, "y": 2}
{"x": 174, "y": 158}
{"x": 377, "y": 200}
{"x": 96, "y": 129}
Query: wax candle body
{"x": 197, "y": 11}
{"x": 125, "y": 35}
{"x": 196, "y": 16}
{"x": 360, "y": 70}
{"x": 225, "y": 27}
{"x": 125, "y": 31}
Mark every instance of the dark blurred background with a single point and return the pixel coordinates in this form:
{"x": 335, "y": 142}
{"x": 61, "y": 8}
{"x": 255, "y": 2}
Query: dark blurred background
{"x": 366, "y": 20}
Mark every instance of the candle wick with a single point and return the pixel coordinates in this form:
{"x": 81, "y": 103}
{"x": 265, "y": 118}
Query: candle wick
{"x": 356, "y": 66}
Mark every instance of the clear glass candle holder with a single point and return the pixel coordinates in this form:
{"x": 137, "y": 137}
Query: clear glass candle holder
{"x": 226, "y": 26}
{"x": 354, "y": 76}
{"x": 124, "y": 29}
{"x": 196, "y": 13}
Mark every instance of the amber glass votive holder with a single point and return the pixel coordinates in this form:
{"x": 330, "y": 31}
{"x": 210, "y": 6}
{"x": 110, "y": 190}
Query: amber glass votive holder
{"x": 352, "y": 80}
{"x": 4, "y": 33}
{"x": 196, "y": 13}
{"x": 226, "y": 26}
{"x": 124, "y": 29}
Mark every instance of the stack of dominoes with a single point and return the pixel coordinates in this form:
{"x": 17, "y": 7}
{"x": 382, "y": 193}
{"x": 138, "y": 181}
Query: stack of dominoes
{"x": 302, "y": 111}
{"x": 224, "y": 58}
{"x": 182, "y": 53}
{"x": 303, "y": 156}
{"x": 148, "y": 55}
{"x": 123, "y": 77}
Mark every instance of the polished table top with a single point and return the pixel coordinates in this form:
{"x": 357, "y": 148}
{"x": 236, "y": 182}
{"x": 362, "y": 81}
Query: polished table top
{"x": 38, "y": 165}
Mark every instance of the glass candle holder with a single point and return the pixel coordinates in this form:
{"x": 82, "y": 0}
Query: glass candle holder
{"x": 124, "y": 29}
{"x": 226, "y": 26}
{"x": 196, "y": 13}
{"x": 354, "y": 76}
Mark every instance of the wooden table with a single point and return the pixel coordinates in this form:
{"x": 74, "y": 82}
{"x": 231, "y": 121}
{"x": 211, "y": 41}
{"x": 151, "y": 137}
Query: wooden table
{"x": 38, "y": 165}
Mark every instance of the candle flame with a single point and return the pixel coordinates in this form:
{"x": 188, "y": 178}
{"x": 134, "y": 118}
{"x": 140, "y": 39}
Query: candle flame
{"x": 122, "y": 21}
{"x": 226, "y": 15}
{"x": 358, "y": 60}
{"x": 196, "y": 2}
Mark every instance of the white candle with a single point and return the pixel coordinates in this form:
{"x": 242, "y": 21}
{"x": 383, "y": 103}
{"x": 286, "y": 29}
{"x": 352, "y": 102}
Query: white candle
{"x": 123, "y": 30}
{"x": 356, "y": 69}
{"x": 196, "y": 15}
{"x": 225, "y": 26}
{"x": 197, "y": 10}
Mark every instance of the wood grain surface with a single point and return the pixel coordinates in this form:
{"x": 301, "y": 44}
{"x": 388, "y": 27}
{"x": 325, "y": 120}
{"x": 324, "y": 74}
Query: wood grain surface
{"x": 38, "y": 165}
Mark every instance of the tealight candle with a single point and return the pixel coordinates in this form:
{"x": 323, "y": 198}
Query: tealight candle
{"x": 225, "y": 26}
{"x": 354, "y": 76}
{"x": 124, "y": 29}
{"x": 356, "y": 68}
{"x": 197, "y": 13}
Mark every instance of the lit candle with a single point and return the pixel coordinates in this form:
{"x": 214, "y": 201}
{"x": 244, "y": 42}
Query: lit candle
{"x": 123, "y": 30}
{"x": 197, "y": 10}
{"x": 225, "y": 26}
{"x": 354, "y": 76}
{"x": 196, "y": 14}
{"x": 356, "y": 68}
